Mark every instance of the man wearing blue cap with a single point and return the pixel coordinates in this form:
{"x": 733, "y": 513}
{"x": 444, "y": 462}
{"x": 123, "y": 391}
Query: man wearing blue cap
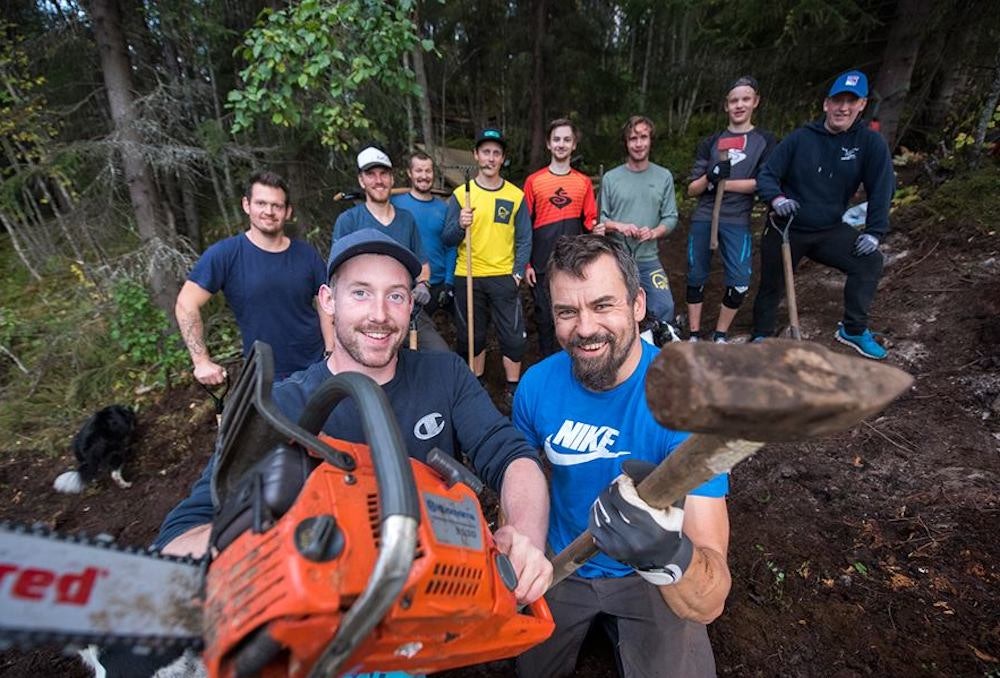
{"x": 435, "y": 399}
{"x": 809, "y": 179}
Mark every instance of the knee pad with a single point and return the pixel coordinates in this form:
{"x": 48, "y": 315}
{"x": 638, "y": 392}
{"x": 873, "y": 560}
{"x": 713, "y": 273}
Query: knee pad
{"x": 734, "y": 297}
{"x": 695, "y": 295}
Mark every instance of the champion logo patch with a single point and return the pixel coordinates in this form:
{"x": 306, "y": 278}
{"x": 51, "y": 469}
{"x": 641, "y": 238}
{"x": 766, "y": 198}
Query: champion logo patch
{"x": 851, "y": 80}
{"x": 428, "y": 426}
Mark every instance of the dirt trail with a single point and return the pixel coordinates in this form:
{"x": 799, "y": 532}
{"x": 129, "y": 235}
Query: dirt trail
{"x": 870, "y": 553}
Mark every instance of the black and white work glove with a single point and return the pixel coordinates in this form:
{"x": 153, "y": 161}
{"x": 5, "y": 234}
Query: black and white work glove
{"x": 720, "y": 170}
{"x": 446, "y": 296}
{"x": 422, "y": 293}
{"x": 865, "y": 244}
{"x": 784, "y": 207}
{"x": 632, "y": 532}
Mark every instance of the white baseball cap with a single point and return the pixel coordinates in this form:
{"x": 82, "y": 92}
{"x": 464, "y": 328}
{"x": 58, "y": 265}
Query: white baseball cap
{"x": 373, "y": 157}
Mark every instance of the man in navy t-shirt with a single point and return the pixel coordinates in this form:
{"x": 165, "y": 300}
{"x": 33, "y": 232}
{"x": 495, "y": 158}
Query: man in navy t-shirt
{"x": 269, "y": 280}
{"x": 586, "y": 408}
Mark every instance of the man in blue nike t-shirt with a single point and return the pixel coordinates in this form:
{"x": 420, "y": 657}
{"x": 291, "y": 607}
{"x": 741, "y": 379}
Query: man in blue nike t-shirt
{"x": 586, "y": 408}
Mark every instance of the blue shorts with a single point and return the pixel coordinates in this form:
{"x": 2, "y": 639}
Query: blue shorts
{"x": 734, "y": 246}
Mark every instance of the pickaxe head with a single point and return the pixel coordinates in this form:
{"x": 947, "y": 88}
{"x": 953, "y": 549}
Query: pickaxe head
{"x": 776, "y": 390}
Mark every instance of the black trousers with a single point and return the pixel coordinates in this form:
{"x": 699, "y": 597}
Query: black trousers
{"x": 831, "y": 247}
{"x": 543, "y": 316}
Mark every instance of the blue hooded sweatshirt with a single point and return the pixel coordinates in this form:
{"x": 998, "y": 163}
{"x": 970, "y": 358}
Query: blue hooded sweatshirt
{"x": 822, "y": 171}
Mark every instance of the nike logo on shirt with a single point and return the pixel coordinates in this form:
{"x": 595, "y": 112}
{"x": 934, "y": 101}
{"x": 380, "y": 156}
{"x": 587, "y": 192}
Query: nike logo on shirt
{"x": 562, "y": 459}
{"x": 592, "y": 442}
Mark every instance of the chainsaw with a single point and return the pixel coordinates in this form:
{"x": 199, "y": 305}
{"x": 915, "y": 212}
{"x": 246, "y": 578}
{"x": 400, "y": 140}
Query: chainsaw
{"x": 327, "y": 557}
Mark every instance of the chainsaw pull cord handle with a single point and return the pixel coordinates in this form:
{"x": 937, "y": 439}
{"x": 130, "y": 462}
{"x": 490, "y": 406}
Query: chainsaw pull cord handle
{"x": 397, "y": 489}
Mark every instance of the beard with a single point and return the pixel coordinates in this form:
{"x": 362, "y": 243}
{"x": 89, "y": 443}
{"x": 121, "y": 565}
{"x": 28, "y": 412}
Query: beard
{"x": 350, "y": 340}
{"x": 601, "y": 373}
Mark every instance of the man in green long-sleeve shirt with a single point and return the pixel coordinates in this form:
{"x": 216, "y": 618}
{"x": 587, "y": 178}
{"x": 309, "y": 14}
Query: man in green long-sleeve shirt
{"x": 638, "y": 208}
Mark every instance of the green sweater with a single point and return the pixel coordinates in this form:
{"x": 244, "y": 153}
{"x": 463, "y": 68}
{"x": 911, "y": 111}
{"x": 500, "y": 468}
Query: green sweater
{"x": 643, "y": 198}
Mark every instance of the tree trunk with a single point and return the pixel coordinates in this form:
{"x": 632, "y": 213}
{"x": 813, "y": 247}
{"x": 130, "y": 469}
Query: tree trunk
{"x": 142, "y": 192}
{"x": 644, "y": 85}
{"x": 536, "y": 116}
{"x": 411, "y": 125}
{"x": 424, "y": 101}
{"x": 893, "y": 83}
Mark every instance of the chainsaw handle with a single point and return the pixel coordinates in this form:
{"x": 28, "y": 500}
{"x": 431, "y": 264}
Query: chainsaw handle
{"x": 397, "y": 489}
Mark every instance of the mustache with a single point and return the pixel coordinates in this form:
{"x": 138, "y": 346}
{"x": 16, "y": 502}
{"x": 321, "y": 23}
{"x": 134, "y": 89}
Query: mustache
{"x": 388, "y": 328}
{"x": 599, "y": 337}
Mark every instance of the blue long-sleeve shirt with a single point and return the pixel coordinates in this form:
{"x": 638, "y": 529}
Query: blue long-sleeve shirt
{"x": 822, "y": 171}
{"x": 437, "y": 403}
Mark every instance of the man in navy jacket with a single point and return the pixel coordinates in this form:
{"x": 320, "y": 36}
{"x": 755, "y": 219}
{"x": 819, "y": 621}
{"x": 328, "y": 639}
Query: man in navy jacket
{"x": 809, "y": 178}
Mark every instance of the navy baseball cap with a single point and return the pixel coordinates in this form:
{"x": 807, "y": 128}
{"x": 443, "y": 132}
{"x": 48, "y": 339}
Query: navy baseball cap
{"x": 370, "y": 241}
{"x": 491, "y": 134}
{"x": 854, "y": 82}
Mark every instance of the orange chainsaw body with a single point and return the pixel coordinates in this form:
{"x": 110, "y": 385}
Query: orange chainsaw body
{"x": 455, "y": 609}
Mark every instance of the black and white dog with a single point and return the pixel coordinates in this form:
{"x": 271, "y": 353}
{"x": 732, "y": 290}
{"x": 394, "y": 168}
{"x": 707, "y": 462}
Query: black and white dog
{"x": 105, "y": 440}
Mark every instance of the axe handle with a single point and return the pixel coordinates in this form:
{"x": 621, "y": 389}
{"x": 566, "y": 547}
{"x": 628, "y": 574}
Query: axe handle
{"x": 793, "y": 307}
{"x": 469, "y": 306}
{"x": 698, "y": 459}
{"x": 720, "y": 189}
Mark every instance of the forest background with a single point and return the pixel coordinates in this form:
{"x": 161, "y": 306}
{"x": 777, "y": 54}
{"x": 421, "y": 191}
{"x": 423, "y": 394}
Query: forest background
{"x": 128, "y": 128}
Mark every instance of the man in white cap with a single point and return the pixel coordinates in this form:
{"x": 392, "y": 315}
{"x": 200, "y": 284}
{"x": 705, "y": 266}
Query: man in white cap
{"x": 375, "y": 177}
{"x": 809, "y": 179}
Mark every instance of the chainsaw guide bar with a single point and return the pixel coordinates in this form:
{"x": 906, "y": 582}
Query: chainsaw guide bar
{"x": 74, "y": 590}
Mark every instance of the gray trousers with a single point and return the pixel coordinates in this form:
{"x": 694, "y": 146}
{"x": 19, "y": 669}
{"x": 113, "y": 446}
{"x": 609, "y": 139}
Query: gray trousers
{"x": 650, "y": 640}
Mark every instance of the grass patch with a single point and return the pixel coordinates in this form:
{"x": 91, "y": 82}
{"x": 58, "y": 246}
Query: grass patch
{"x": 966, "y": 206}
{"x": 70, "y": 349}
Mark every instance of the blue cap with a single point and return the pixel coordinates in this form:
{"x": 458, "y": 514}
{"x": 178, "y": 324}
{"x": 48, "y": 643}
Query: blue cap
{"x": 370, "y": 241}
{"x": 854, "y": 82}
{"x": 491, "y": 134}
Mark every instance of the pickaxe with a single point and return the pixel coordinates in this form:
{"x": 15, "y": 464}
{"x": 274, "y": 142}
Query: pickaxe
{"x": 736, "y": 398}
{"x": 725, "y": 145}
{"x": 358, "y": 194}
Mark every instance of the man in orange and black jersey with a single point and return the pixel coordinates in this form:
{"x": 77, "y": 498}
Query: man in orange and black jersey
{"x": 560, "y": 201}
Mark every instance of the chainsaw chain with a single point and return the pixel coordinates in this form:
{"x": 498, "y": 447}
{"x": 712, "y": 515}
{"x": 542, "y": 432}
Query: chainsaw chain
{"x": 27, "y": 639}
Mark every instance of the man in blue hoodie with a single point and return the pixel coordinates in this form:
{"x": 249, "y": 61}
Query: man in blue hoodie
{"x": 809, "y": 178}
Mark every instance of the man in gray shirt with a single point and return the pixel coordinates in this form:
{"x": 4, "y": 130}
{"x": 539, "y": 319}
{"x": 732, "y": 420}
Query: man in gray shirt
{"x": 638, "y": 208}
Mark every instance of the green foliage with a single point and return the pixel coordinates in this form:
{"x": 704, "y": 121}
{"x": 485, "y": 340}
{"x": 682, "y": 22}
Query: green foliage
{"x": 309, "y": 64}
{"x": 142, "y": 332}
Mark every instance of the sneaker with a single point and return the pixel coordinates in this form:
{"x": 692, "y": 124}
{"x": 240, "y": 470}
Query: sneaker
{"x": 863, "y": 343}
{"x": 758, "y": 339}
{"x": 694, "y": 339}
{"x": 720, "y": 338}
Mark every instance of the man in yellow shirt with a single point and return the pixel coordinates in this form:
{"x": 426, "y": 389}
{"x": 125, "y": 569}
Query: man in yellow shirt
{"x": 500, "y": 230}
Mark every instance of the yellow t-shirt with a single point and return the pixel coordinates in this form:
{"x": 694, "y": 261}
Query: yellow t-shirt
{"x": 501, "y": 231}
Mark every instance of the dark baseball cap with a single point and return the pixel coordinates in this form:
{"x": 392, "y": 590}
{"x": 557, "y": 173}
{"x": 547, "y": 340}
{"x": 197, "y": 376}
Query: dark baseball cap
{"x": 491, "y": 134}
{"x": 370, "y": 241}
{"x": 854, "y": 82}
